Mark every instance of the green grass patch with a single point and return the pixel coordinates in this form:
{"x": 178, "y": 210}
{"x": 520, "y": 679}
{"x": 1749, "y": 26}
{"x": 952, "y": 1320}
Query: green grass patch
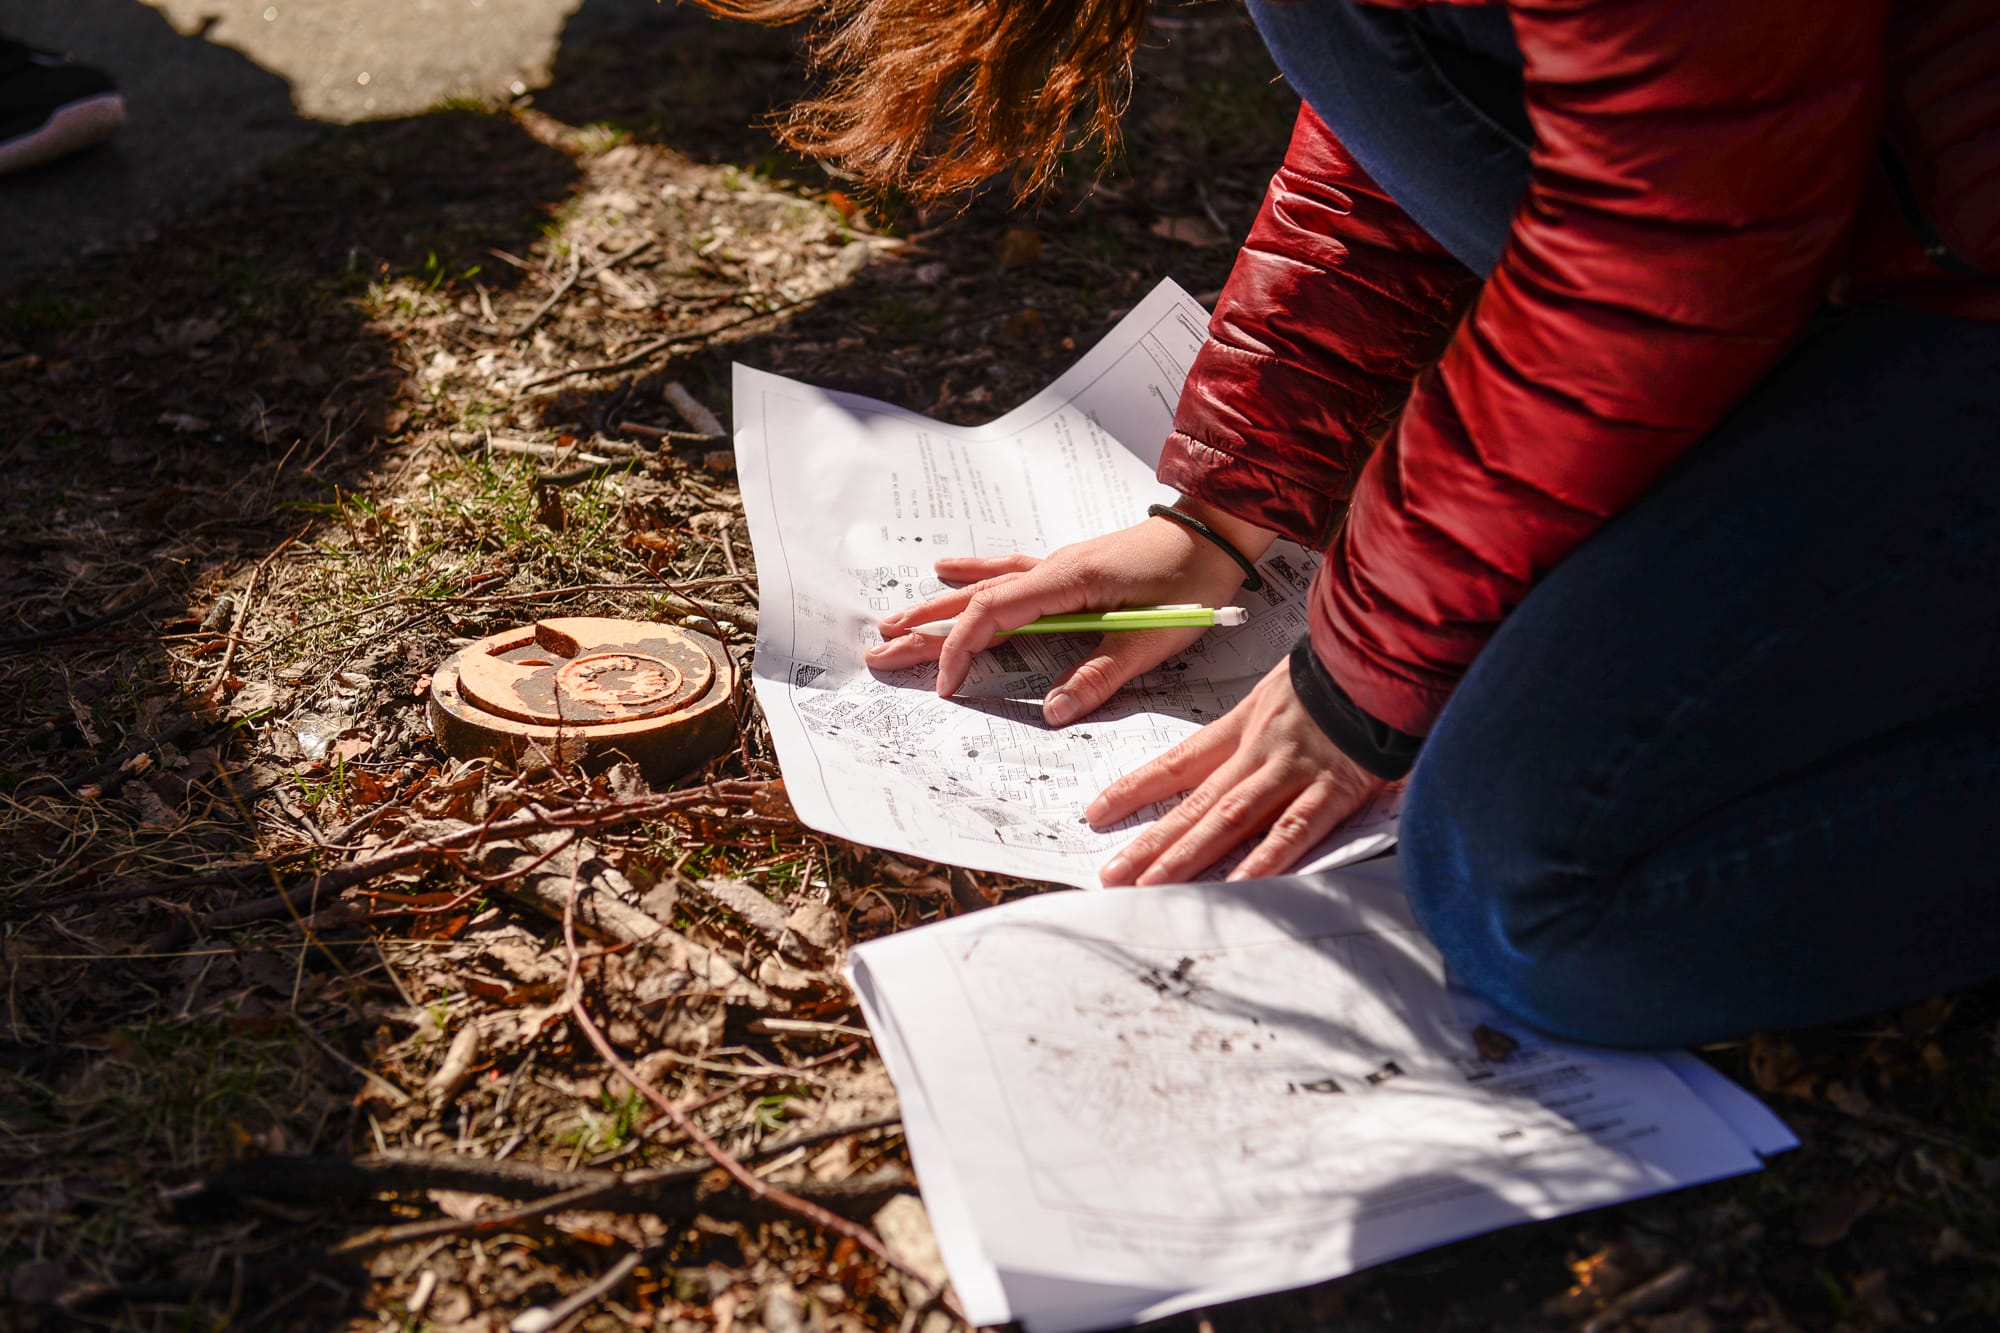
{"x": 43, "y": 313}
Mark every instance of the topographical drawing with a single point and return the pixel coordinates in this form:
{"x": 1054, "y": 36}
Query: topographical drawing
{"x": 850, "y": 501}
{"x": 1124, "y": 1105}
{"x": 1216, "y": 1083}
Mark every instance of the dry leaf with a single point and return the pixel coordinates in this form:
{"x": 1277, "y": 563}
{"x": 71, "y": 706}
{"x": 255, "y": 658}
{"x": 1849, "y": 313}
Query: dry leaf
{"x": 1492, "y": 1044}
{"x": 747, "y": 903}
{"x": 187, "y": 334}
{"x": 1020, "y": 247}
{"x": 456, "y": 1067}
{"x": 658, "y": 543}
{"x": 1025, "y": 325}
{"x": 1871, "y": 1293}
{"x": 1849, "y": 1100}
{"x": 504, "y": 1031}
{"x": 365, "y": 788}
{"x": 549, "y": 511}
{"x": 1774, "y": 1062}
{"x": 773, "y": 801}
{"x": 153, "y": 810}
{"x": 1835, "y": 1215}
{"x": 901, "y": 872}
{"x": 817, "y": 927}
{"x": 458, "y": 1203}
{"x": 1188, "y": 230}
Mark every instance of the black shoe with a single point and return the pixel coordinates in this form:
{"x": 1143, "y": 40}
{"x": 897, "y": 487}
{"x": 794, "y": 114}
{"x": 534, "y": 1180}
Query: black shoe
{"x": 51, "y": 106}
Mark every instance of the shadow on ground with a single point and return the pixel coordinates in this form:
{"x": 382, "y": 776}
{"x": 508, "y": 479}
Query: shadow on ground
{"x": 251, "y": 502}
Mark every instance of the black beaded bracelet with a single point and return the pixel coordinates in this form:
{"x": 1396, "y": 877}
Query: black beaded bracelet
{"x": 1252, "y": 580}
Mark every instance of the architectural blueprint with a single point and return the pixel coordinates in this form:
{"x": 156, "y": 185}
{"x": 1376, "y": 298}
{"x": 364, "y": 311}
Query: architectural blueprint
{"x": 851, "y": 500}
{"x": 1124, "y": 1105}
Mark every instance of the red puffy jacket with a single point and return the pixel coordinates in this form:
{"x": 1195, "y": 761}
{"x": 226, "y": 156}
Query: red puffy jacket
{"x": 1704, "y": 176}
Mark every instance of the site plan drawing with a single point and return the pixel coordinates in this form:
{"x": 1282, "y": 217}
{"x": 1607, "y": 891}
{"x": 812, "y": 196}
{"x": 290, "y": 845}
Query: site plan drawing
{"x": 850, "y": 501}
{"x": 1125, "y": 1105}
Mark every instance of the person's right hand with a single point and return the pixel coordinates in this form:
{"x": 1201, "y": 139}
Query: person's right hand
{"x": 1151, "y": 563}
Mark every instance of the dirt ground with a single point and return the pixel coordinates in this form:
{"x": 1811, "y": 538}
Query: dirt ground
{"x": 295, "y": 1036}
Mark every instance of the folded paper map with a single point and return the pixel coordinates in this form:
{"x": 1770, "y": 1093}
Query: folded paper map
{"x": 850, "y": 501}
{"x": 1122, "y": 1105}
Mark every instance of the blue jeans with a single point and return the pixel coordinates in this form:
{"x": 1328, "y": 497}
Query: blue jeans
{"x": 1735, "y": 763}
{"x": 1428, "y": 101}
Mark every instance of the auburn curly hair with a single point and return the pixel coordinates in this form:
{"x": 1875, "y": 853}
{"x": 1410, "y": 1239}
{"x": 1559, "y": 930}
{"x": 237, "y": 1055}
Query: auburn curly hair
{"x": 934, "y": 96}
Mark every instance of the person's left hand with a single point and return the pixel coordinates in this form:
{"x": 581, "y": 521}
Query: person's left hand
{"x": 1265, "y": 765}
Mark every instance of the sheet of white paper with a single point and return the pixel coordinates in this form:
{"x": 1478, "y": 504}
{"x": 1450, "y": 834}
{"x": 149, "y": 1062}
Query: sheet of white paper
{"x": 850, "y": 501}
{"x": 1757, "y": 1123}
{"x": 1127, "y": 1104}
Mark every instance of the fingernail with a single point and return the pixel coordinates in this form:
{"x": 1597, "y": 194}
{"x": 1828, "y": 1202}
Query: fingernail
{"x": 879, "y": 649}
{"x": 1112, "y": 871}
{"x": 1059, "y": 707}
{"x": 1094, "y": 813}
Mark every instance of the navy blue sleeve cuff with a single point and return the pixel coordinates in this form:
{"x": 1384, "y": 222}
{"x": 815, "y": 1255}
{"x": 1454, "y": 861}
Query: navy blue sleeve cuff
{"x": 1375, "y": 745}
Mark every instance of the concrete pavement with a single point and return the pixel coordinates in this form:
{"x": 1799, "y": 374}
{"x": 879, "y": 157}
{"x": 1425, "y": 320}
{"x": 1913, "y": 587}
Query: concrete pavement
{"x": 215, "y": 87}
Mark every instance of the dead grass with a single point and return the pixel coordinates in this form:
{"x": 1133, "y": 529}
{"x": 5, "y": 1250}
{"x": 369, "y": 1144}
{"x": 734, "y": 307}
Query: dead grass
{"x": 336, "y": 359}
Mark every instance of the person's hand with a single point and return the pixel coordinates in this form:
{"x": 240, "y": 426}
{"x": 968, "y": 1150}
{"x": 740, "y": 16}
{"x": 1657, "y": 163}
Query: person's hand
{"x": 1265, "y": 767}
{"x": 1151, "y": 563}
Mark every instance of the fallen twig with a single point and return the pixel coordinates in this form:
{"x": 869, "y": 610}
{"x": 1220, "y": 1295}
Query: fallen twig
{"x": 496, "y": 599}
{"x": 759, "y": 1189}
{"x": 1648, "y": 1295}
{"x": 644, "y": 431}
{"x": 577, "y": 275}
{"x": 604, "y": 367}
{"x": 610, "y": 915}
{"x": 599, "y": 453}
{"x": 682, "y": 1197}
{"x": 742, "y": 617}
{"x": 237, "y": 875}
{"x": 327, "y": 1180}
{"x": 226, "y": 1280}
{"x": 307, "y": 898}
{"x": 547, "y": 594}
{"x": 108, "y": 776}
{"x": 99, "y": 621}
{"x": 243, "y": 614}
{"x": 692, "y": 410}
{"x": 542, "y": 1318}
{"x": 588, "y": 471}
{"x": 746, "y": 903}
{"x": 527, "y": 325}
{"x": 679, "y": 343}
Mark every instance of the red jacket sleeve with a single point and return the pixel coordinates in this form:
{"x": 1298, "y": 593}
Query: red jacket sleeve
{"x": 1336, "y": 301}
{"x": 1695, "y": 170}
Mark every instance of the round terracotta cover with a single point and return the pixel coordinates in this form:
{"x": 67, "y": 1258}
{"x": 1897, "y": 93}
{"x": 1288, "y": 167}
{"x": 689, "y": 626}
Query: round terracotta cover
{"x": 585, "y": 671}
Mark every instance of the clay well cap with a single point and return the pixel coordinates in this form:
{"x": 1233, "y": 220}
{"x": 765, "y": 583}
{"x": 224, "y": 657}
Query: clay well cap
{"x": 587, "y": 690}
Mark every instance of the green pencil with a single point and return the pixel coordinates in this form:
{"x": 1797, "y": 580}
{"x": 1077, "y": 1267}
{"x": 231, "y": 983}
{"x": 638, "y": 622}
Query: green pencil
{"x": 1181, "y": 616}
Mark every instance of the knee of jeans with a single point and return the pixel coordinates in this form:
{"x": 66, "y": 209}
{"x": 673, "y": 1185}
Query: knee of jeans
{"x": 1560, "y": 990}
{"x": 1521, "y": 935}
